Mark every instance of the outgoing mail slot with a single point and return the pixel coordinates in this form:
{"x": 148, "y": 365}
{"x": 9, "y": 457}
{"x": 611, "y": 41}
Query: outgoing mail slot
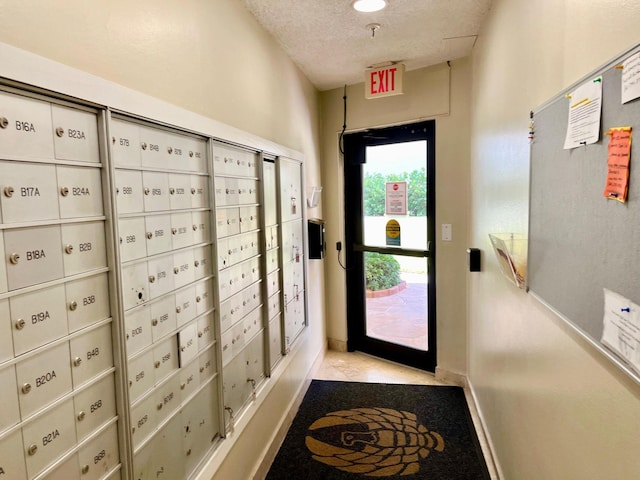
{"x": 199, "y": 191}
{"x": 28, "y": 132}
{"x": 205, "y": 331}
{"x": 10, "y": 411}
{"x": 143, "y": 419}
{"x": 141, "y": 377}
{"x": 12, "y": 454}
{"x": 161, "y": 277}
{"x": 201, "y": 225}
{"x": 137, "y": 325}
{"x": 158, "y": 234}
{"x": 43, "y": 378}
{"x": 183, "y": 268}
{"x": 153, "y": 148}
{"x": 202, "y": 261}
{"x": 249, "y": 220}
{"x": 91, "y": 354}
{"x": 163, "y": 317}
{"x": 186, "y": 305}
{"x": 135, "y": 284}
{"x": 100, "y": 455}
{"x": 75, "y": 134}
{"x": 80, "y": 192}
{"x": 94, "y": 407}
{"x": 87, "y": 301}
{"x": 125, "y": 143}
{"x": 155, "y": 188}
{"x": 181, "y": 230}
{"x": 28, "y": 192}
{"x": 38, "y": 318}
{"x": 128, "y": 191}
{"x": 48, "y": 437}
{"x": 133, "y": 241}
{"x": 33, "y": 255}
{"x": 179, "y": 191}
{"x": 6, "y": 339}
{"x": 189, "y": 380}
{"x": 84, "y": 247}
{"x": 275, "y": 341}
{"x": 165, "y": 358}
{"x": 188, "y": 343}
{"x": 204, "y": 297}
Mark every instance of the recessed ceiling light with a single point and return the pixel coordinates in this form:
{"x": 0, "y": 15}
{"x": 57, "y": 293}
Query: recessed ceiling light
{"x": 369, "y": 5}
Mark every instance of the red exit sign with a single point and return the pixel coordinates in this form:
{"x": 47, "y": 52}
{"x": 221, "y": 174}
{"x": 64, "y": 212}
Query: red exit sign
{"x": 384, "y": 81}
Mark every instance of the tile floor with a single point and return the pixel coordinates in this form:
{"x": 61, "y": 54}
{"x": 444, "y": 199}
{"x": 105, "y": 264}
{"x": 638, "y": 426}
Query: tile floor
{"x": 360, "y": 367}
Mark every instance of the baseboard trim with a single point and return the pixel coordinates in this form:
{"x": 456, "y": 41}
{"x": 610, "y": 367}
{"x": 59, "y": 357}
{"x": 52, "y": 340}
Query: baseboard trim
{"x": 485, "y": 438}
{"x": 337, "y": 345}
{"x": 287, "y": 420}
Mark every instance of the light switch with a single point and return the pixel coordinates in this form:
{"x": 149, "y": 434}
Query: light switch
{"x": 446, "y": 232}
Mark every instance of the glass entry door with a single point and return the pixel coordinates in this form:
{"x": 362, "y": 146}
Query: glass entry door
{"x": 389, "y": 198}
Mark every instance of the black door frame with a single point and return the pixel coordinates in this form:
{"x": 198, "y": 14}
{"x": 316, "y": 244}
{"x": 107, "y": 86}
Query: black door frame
{"x": 354, "y": 156}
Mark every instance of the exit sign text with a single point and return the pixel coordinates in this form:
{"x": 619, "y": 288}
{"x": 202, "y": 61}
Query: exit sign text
{"x": 384, "y": 82}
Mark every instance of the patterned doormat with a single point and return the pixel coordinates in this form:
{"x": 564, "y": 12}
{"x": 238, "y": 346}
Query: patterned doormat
{"x": 348, "y": 431}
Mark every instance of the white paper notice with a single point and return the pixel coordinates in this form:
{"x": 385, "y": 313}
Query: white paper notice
{"x": 631, "y": 78}
{"x": 396, "y": 198}
{"x": 622, "y": 327}
{"x": 584, "y": 114}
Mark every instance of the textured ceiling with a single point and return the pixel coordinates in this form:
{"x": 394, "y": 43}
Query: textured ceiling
{"x": 330, "y": 43}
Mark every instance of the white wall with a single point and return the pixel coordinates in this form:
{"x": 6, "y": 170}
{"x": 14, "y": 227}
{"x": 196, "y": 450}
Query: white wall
{"x": 555, "y": 409}
{"x": 429, "y": 93}
{"x": 210, "y": 58}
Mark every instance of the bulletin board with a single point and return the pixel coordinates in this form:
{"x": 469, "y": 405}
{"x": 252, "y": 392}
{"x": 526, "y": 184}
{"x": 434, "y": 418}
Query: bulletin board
{"x": 581, "y": 242}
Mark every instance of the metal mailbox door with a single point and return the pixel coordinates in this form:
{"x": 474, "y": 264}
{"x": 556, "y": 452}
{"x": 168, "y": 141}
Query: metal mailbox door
{"x": 80, "y": 192}
{"x": 38, "y": 318}
{"x": 75, "y": 134}
{"x": 43, "y": 378}
{"x": 87, "y": 301}
{"x": 28, "y": 192}
{"x": 94, "y": 406}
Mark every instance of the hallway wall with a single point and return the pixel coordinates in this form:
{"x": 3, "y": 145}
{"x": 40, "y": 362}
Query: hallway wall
{"x": 429, "y": 93}
{"x": 555, "y": 409}
{"x": 213, "y": 59}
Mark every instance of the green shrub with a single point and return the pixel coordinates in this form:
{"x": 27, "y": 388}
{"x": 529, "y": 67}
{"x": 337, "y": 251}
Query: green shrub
{"x": 381, "y": 271}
